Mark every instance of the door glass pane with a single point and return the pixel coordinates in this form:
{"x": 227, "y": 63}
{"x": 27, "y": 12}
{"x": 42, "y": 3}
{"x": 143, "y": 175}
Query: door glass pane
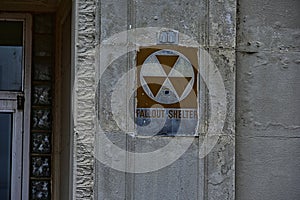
{"x": 5, "y": 154}
{"x": 11, "y": 55}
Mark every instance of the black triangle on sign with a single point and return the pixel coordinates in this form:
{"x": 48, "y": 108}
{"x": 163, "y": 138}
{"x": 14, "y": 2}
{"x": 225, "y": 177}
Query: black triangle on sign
{"x": 179, "y": 84}
{"x": 167, "y": 62}
{"x": 154, "y": 83}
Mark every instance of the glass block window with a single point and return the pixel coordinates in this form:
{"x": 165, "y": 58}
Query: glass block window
{"x": 40, "y": 189}
{"x": 40, "y": 166}
{"x": 41, "y": 143}
{"x": 41, "y": 107}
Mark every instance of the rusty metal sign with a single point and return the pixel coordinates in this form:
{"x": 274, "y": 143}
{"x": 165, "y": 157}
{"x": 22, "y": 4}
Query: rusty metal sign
{"x": 167, "y": 92}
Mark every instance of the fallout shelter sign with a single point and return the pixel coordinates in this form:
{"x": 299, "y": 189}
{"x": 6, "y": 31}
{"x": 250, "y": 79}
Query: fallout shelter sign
{"x": 167, "y": 92}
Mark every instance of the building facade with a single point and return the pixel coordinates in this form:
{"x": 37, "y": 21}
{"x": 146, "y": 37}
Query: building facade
{"x": 149, "y": 99}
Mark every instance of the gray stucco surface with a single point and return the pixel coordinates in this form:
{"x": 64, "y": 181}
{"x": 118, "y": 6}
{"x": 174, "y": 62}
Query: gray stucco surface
{"x": 189, "y": 177}
{"x": 262, "y": 102}
{"x": 268, "y": 100}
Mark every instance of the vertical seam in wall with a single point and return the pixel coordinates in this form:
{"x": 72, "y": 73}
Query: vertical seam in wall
{"x": 205, "y": 159}
{"x": 235, "y": 92}
{"x": 129, "y": 177}
{"x": 198, "y": 107}
{"x": 207, "y": 24}
{"x": 97, "y": 41}
{"x": 75, "y": 36}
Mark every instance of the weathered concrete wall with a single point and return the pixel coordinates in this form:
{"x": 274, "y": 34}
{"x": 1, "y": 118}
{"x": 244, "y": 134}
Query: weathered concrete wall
{"x": 267, "y": 93}
{"x": 268, "y": 100}
{"x": 212, "y": 25}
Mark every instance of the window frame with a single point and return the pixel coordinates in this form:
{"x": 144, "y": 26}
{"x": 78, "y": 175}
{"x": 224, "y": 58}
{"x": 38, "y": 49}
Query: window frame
{"x": 21, "y": 117}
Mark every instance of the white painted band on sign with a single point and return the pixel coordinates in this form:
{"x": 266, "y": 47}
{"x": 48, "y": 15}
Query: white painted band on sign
{"x": 166, "y": 113}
